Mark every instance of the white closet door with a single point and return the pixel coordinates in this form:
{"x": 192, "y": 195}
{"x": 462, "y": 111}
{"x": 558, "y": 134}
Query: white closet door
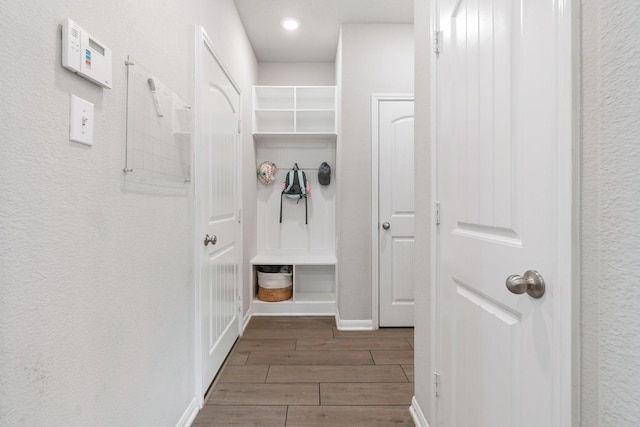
{"x": 217, "y": 202}
{"x": 504, "y": 186}
{"x": 396, "y": 212}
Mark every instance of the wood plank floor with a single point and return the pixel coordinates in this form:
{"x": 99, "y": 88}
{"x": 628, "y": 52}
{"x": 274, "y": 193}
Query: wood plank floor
{"x": 302, "y": 371}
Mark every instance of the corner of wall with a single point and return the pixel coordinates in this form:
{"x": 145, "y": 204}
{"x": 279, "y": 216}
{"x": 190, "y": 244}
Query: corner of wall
{"x": 424, "y": 318}
{"x": 368, "y": 61}
{"x": 338, "y": 79}
{"x": 353, "y": 325}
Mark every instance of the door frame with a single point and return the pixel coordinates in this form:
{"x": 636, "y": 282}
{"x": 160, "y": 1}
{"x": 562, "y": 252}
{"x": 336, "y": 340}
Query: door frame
{"x": 566, "y": 410}
{"x": 376, "y": 99}
{"x": 201, "y": 39}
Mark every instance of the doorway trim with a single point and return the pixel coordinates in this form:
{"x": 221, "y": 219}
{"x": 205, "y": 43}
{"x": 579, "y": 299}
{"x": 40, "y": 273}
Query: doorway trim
{"x": 202, "y": 39}
{"x": 376, "y": 99}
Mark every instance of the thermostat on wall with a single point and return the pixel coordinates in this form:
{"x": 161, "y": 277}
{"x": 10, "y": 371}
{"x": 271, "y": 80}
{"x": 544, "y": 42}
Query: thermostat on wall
{"x": 84, "y": 55}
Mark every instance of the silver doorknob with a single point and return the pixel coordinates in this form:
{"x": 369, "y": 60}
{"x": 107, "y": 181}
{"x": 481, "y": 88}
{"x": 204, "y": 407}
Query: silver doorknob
{"x": 531, "y": 283}
{"x": 210, "y": 239}
{"x": 386, "y": 225}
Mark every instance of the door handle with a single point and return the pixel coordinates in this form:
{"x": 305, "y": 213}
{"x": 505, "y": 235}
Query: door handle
{"x": 210, "y": 239}
{"x": 531, "y": 283}
{"x": 386, "y": 225}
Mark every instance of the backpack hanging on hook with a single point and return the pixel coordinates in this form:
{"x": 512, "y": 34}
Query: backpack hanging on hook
{"x": 296, "y": 187}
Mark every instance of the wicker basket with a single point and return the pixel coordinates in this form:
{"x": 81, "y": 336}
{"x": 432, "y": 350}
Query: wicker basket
{"x": 274, "y": 295}
{"x": 273, "y": 287}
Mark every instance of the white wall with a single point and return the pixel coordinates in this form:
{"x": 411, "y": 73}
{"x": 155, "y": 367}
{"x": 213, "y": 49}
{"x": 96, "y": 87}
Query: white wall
{"x": 291, "y": 236}
{"x": 610, "y": 217}
{"x": 372, "y": 59}
{"x": 422, "y": 283}
{"x": 96, "y": 295}
{"x": 296, "y": 73}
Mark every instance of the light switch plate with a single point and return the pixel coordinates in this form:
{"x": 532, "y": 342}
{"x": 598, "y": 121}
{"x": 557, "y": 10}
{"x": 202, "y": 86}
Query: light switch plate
{"x": 81, "y": 121}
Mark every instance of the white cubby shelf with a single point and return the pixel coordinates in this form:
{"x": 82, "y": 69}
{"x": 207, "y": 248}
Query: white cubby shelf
{"x": 314, "y": 279}
{"x": 294, "y": 110}
{"x": 297, "y": 125}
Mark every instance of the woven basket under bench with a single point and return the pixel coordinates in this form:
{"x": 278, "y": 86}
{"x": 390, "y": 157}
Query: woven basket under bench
{"x": 273, "y": 287}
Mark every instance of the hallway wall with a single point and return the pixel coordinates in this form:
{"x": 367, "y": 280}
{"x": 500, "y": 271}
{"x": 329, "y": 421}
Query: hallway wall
{"x": 96, "y": 275}
{"x": 372, "y": 58}
{"x": 423, "y": 183}
{"x": 296, "y": 73}
{"x": 610, "y": 217}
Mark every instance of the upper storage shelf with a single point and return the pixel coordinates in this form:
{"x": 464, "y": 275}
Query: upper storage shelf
{"x": 294, "y": 110}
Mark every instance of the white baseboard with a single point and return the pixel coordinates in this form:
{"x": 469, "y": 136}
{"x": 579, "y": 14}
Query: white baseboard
{"x": 189, "y": 414}
{"x": 416, "y": 414}
{"x": 353, "y": 325}
{"x": 245, "y": 320}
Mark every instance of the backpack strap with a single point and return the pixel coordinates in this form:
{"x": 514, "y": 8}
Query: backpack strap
{"x": 285, "y": 188}
{"x": 290, "y": 179}
{"x": 303, "y": 191}
{"x": 303, "y": 186}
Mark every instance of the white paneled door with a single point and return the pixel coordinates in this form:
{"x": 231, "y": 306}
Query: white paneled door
{"x": 504, "y": 187}
{"x": 396, "y": 211}
{"x": 218, "y": 159}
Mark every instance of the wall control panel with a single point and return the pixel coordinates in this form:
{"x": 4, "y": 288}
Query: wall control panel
{"x": 86, "y": 56}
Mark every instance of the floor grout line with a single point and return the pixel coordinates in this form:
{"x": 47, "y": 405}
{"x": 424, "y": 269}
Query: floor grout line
{"x": 286, "y": 416}
{"x": 405, "y": 373}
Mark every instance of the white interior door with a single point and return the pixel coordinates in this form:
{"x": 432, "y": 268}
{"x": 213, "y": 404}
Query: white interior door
{"x": 504, "y": 187}
{"x": 396, "y": 211}
{"x": 218, "y": 160}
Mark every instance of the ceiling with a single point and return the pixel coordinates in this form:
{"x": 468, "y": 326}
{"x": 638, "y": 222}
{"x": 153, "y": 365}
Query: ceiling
{"x": 317, "y": 38}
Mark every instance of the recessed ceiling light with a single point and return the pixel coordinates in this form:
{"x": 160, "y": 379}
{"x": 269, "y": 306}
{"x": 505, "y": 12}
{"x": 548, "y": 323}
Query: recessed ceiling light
{"x": 290, "y": 23}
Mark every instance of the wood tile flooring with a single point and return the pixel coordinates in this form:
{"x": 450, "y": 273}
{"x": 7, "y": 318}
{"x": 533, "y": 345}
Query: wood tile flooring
{"x": 302, "y": 371}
